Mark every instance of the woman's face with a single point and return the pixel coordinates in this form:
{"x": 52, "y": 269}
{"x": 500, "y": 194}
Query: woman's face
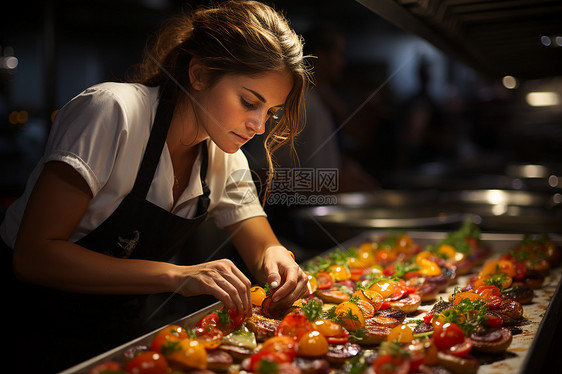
{"x": 237, "y": 107}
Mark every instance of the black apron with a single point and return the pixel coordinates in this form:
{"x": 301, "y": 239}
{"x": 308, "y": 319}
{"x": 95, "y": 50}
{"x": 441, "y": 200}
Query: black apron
{"x": 83, "y": 325}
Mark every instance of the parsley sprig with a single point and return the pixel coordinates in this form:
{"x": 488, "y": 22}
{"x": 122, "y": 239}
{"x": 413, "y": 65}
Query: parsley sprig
{"x": 312, "y": 309}
{"x": 468, "y": 315}
{"x": 457, "y": 239}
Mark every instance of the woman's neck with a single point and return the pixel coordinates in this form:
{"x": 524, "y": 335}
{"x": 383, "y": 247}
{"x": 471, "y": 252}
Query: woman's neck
{"x": 184, "y": 134}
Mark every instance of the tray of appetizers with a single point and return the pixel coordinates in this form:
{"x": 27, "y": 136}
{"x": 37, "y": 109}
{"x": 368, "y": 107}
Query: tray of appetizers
{"x": 463, "y": 301}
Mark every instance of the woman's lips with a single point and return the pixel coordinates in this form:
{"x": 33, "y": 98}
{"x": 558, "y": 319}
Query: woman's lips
{"x": 241, "y": 138}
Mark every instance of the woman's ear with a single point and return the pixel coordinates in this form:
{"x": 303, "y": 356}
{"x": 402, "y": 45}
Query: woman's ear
{"x": 197, "y": 74}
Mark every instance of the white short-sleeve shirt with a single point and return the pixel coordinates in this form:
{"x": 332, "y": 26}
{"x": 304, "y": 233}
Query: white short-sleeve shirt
{"x": 102, "y": 133}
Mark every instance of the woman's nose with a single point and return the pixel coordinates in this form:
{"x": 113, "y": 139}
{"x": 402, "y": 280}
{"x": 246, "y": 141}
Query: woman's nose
{"x": 257, "y": 123}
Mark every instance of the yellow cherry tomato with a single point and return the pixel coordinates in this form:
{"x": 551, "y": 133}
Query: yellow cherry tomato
{"x": 430, "y": 269}
{"x": 327, "y": 327}
{"x": 339, "y": 272}
{"x": 351, "y": 316}
{"x": 312, "y": 284}
{"x": 384, "y": 288}
{"x": 258, "y": 295}
{"x": 175, "y": 330}
{"x": 366, "y": 257}
{"x": 438, "y": 323}
{"x": 190, "y": 354}
{"x": 404, "y": 241}
{"x": 312, "y": 344}
{"x": 370, "y": 296}
{"x": 355, "y": 262}
{"x": 447, "y": 250}
{"x": 499, "y": 266}
{"x": 481, "y": 280}
{"x": 368, "y": 246}
{"x": 401, "y": 334}
{"x": 460, "y": 296}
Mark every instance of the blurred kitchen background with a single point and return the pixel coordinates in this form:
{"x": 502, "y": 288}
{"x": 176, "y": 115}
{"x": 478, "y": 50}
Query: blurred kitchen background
{"x": 454, "y": 107}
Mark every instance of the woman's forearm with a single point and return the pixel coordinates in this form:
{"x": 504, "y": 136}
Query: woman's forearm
{"x": 252, "y": 238}
{"x": 67, "y": 266}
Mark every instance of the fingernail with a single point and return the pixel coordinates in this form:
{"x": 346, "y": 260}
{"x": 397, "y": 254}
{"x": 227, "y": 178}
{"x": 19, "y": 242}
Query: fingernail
{"x": 274, "y": 284}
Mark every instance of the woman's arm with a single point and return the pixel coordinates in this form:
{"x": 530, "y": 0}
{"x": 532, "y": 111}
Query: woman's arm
{"x": 43, "y": 255}
{"x": 268, "y": 260}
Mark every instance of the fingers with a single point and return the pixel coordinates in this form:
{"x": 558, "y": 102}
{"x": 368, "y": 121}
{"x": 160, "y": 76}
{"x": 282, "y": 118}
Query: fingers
{"x": 293, "y": 285}
{"x": 221, "y": 279}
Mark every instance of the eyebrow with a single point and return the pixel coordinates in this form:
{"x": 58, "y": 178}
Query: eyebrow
{"x": 260, "y": 97}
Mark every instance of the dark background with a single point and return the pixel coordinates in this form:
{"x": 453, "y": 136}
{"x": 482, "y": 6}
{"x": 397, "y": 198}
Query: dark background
{"x": 62, "y": 47}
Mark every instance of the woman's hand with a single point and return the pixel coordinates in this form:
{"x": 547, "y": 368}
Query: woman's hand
{"x": 287, "y": 281}
{"x": 269, "y": 261}
{"x": 221, "y": 279}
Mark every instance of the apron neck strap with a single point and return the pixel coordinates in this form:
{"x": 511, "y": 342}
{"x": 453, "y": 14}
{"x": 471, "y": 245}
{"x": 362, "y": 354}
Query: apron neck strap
{"x": 155, "y": 146}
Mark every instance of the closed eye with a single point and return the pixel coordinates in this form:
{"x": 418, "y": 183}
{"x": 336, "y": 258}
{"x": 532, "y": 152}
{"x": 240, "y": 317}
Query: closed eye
{"x": 247, "y": 104}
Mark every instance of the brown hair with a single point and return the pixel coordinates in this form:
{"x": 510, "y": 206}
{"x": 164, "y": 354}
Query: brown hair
{"x": 235, "y": 37}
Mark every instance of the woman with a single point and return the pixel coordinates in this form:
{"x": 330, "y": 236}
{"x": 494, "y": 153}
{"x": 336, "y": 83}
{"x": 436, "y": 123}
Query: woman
{"x": 131, "y": 169}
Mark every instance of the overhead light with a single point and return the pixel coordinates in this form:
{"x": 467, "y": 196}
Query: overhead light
{"x": 9, "y": 62}
{"x": 558, "y": 41}
{"x": 546, "y": 98}
{"x": 510, "y": 82}
{"x": 545, "y": 40}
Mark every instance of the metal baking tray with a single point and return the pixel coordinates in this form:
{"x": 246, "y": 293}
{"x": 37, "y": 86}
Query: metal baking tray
{"x": 370, "y": 217}
{"x": 508, "y": 211}
{"x": 526, "y": 354}
{"x": 388, "y": 198}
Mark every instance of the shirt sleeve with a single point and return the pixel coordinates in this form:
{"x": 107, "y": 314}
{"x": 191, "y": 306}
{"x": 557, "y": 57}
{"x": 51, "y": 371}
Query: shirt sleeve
{"x": 239, "y": 199}
{"x": 87, "y": 133}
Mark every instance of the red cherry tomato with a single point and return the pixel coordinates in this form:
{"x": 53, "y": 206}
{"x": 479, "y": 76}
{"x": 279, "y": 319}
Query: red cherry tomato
{"x": 449, "y": 335}
{"x": 461, "y": 349}
{"x": 280, "y": 343}
{"x": 210, "y": 320}
{"x": 210, "y": 337}
{"x": 412, "y": 274}
{"x": 164, "y": 343}
{"x": 494, "y": 321}
{"x": 271, "y": 356}
{"x": 389, "y": 270}
{"x": 356, "y": 273}
{"x": 294, "y": 325}
{"x": 229, "y": 320}
{"x": 428, "y": 318}
{"x": 398, "y": 293}
{"x": 325, "y": 280}
{"x": 236, "y": 317}
{"x": 520, "y": 270}
{"x": 385, "y": 304}
{"x": 491, "y": 295}
{"x": 148, "y": 363}
{"x": 387, "y": 364}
